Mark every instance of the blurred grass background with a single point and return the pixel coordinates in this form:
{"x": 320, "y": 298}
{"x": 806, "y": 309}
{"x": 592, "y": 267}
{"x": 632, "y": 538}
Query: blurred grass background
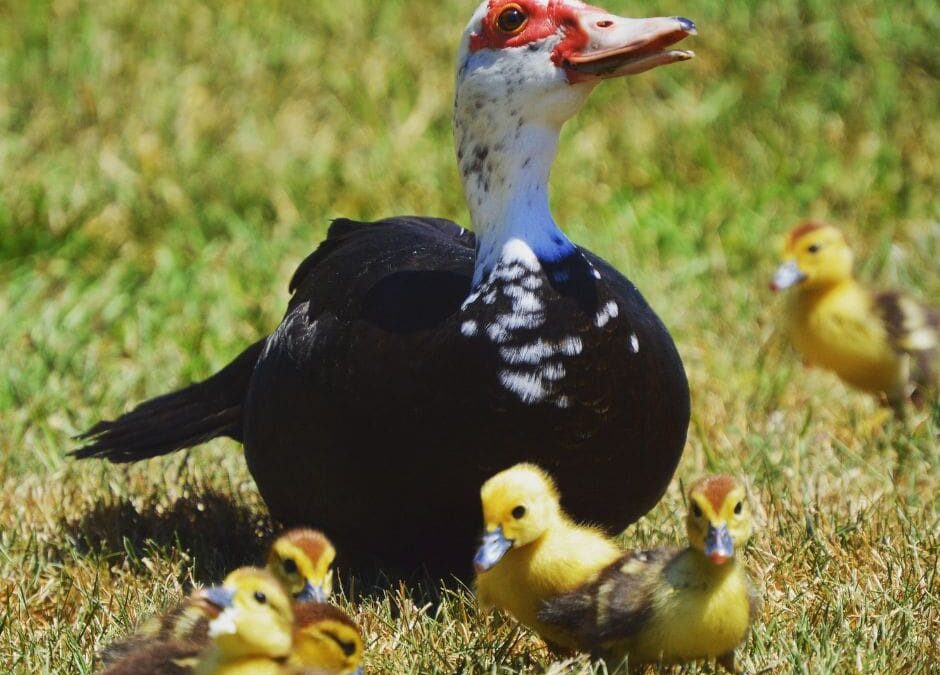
{"x": 164, "y": 166}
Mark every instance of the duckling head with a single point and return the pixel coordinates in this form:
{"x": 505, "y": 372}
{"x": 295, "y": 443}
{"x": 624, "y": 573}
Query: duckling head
{"x": 326, "y": 640}
{"x": 251, "y": 615}
{"x": 520, "y": 505}
{"x": 719, "y": 519}
{"x": 302, "y": 559}
{"x": 816, "y": 256}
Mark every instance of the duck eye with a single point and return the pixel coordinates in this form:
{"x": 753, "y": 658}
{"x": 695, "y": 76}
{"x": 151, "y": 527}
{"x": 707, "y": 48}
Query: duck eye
{"x": 696, "y": 510}
{"x": 813, "y": 248}
{"x": 738, "y": 508}
{"x": 518, "y": 512}
{"x": 348, "y": 647}
{"x": 289, "y": 566}
{"x": 261, "y": 597}
{"x": 511, "y": 20}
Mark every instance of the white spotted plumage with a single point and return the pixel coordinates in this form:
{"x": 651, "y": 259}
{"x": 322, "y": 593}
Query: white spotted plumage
{"x": 606, "y": 313}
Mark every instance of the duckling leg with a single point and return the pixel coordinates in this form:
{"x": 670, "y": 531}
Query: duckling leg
{"x": 727, "y": 662}
{"x": 899, "y": 406}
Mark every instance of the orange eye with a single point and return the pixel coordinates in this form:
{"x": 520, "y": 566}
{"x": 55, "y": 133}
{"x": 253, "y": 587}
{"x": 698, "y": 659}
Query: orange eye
{"x": 511, "y": 20}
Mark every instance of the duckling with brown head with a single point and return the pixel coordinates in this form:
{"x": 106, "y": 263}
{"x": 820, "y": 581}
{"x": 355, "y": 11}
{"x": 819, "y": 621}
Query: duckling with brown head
{"x": 670, "y": 605}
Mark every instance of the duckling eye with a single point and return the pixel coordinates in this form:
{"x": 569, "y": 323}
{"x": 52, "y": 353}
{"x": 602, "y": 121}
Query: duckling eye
{"x": 518, "y": 512}
{"x": 261, "y": 597}
{"x": 813, "y": 248}
{"x": 696, "y": 510}
{"x": 348, "y": 647}
{"x": 738, "y": 508}
{"x": 511, "y": 20}
{"x": 290, "y": 566}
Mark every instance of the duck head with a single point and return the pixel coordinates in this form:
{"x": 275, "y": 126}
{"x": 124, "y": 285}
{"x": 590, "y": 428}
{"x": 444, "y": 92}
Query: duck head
{"x": 523, "y": 69}
{"x": 719, "y": 520}
{"x": 326, "y": 639}
{"x": 303, "y": 561}
{"x": 816, "y": 256}
{"x": 520, "y": 505}
{"x": 252, "y": 615}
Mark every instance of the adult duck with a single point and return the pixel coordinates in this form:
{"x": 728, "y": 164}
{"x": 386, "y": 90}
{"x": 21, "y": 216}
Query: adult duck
{"x": 417, "y": 358}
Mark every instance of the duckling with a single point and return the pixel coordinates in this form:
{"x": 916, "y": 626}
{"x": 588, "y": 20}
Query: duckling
{"x": 250, "y": 625}
{"x": 531, "y": 550}
{"x": 300, "y": 558}
{"x": 326, "y": 641}
{"x": 884, "y": 343}
{"x": 670, "y": 605}
{"x": 253, "y": 631}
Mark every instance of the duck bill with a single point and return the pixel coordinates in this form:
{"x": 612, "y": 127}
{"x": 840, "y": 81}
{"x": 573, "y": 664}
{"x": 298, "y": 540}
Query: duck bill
{"x": 787, "y": 275}
{"x": 214, "y": 600}
{"x": 492, "y": 549}
{"x": 312, "y": 593}
{"x": 719, "y": 547}
{"x": 614, "y": 46}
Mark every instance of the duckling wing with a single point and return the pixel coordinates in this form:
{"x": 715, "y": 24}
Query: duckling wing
{"x": 913, "y": 328}
{"x": 157, "y": 657}
{"x": 186, "y": 623}
{"x": 615, "y": 605}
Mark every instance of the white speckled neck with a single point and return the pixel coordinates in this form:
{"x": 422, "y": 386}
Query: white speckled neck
{"x": 508, "y": 200}
{"x": 508, "y": 113}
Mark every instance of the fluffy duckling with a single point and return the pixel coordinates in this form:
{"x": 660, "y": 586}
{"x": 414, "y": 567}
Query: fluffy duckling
{"x": 326, "y": 641}
{"x": 300, "y": 558}
{"x": 671, "y": 605}
{"x": 250, "y": 630}
{"x": 531, "y": 550}
{"x": 883, "y": 343}
{"x": 253, "y": 629}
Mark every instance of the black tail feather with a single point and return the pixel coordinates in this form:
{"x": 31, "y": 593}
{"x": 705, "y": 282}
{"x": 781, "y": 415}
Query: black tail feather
{"x": 180, "y": 419}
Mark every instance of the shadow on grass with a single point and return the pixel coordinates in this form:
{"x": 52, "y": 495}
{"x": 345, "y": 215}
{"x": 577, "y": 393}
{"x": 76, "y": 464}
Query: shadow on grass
{"x": 218, "y": 534}
{"x": 209, "y": 526}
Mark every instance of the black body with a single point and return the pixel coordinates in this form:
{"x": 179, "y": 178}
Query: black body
{"x": 371, "y": 414}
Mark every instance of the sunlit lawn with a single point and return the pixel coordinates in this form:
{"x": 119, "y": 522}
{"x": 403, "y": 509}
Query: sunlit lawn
{"x": 164, "y": 166}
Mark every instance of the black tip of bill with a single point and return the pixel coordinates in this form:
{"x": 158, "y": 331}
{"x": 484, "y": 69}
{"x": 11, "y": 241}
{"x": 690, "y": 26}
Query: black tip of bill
{"x": 687, "y": 25}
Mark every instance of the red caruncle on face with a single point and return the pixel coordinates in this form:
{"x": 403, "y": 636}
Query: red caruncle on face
{"x": 517, "y": 23}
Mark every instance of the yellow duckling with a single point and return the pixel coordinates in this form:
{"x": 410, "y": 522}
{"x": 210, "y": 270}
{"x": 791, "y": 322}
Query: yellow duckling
{"x": 326, "y": 641}
{"x": 671, "y": 605}
{"x": 300, "y": 558}
{"x": 250, "y": 632}
{"x": 883, "y": 343}
{"x": 253, "y": 630}
{"x": 532, "y": 550}
{"x": 303, "y": 560}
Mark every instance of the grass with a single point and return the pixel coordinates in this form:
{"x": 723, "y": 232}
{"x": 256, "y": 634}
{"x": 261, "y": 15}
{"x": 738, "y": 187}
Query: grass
{"x": 163, "y": 167}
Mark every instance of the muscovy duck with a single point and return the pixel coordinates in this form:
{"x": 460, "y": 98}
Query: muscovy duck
{"x": 417, "y": 358}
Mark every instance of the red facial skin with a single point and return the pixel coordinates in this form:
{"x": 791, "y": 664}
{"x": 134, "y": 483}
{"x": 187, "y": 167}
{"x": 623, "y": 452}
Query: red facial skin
{"x": 542, "y": 22}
